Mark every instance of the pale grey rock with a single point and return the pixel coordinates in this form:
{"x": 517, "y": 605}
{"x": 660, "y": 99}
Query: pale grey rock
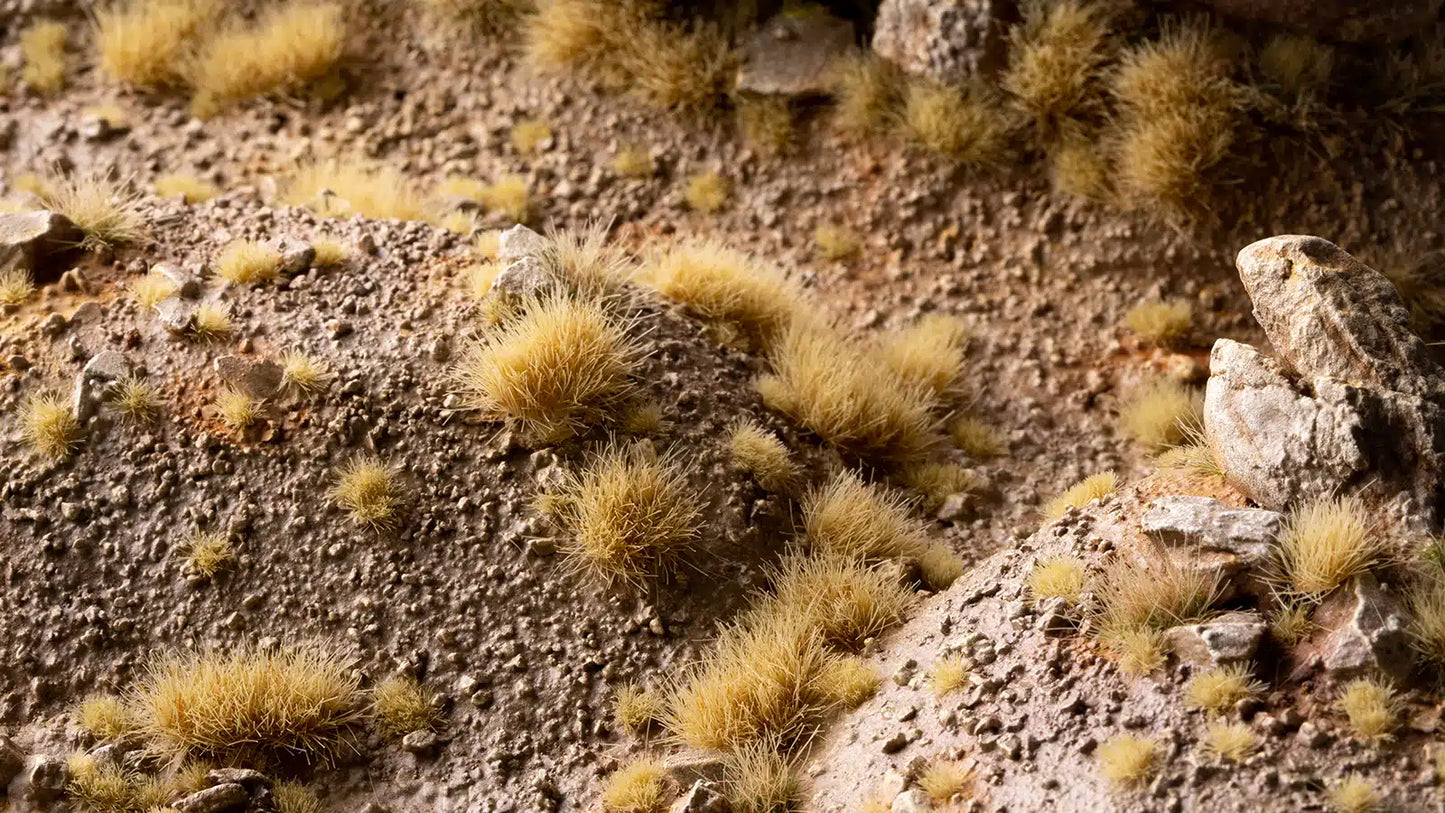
{"x": 702, "y": 797}
{"x": 947, "y": 40}
{"x": 296, "y": 255}
{"x": 42, "y": 781}
{"x": 36, "y": 241}
{"x": 420, "y": 743}
{"x": 794, "y": 55}
{"x": 187, "y": 284}
{"x": 94, "y": 382}
{"x": 1362, "y": 630}
{"x": 517, "y": 243}
{"x": 1203, "y": 522}
{"x": 216, "y": 799}
{"x": 1233, "y": 637}
{"x": 525, "y": 277}
{"x": 177, "y": 314}
{"x": 258, "y": 378}
{"x": 911, "y": 801}
{"x": 689, "y": 767}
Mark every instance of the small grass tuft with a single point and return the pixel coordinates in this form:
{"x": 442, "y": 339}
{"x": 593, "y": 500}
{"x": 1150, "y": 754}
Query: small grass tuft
{"x": 1078, "y": 167}
{"x": 943, "y": 780}
{"x": 189, "y": 188}
{"x": 148, "y": 290}
{"x": 630, "y": 514}
{"x": 150, "y": 43}
{"x": 869, "y": 94}
{"x": 707, "y": 192}
{"x": 237, "y": 410}
{"x": 948, "y": 675}
{"x": 849, "y": 681}
{"x": 845, "y": 600}
{"x": 304, "y": 373}
{"x": 1055, "y": 57}
{"x": 964, "y": 124}
{"x": 1231, "y": 741}
{"x": 400, "y": 705}
{"x": 1326, "y": 542}
{"x": 42, "y": 48}
{"x": 16, "y": 286}
{"x": 1127, "y": 760}
{"x": 766, "y": 123}
{"x": 835, "y": 242}
{"x": 342, "y": 188}
{"x": 722, "y": 284}
{"x": 1219, "y": 689}
{"x": 212, "y": 321}
{"x": 976, "y": 438}
{"x": 330, "y": 252}
{"x": 252, "y": 705}
{"x": 288, "y": 47}
{"x": 1162, "y": 324}
{"x": 290, "y": 796}
{"x": 929, "y": 352}
{"x": 940, "y": 566}
{"x": 636, "y": 708}
{"x": 936, "y": 482}
{"x": 559, "y": 366}
{"x": 49, "y": 427}
{"x": 758, "y": 779}
{"x": 1296, "y": 64}
{"x": 1154, "y": 594}
{"x": 101, "y": 788}
{"x": 244, "y": 262}
{"x": 105, "y": 717}
{"x": 851, "y": 519}
{"x": 528, "y": 135}
{"x": 1058, "y": 577}
{"x": 1137, "y": 651}
{"x": 1292, "y": 623}
{"x": 1371, "y": 708}
{"x": 763, "y": 456}
{"x": 1355, "y": 795}
{"x": 642, "y": 418}
{"x": 1080, "y": 494}
{"x": 638, "y": 787}
{"x": 508, "y": 196}
{"x": 209, "y": 552}
{"x": 369, "y": 490}
{"x": 633, "y": 162}
{"x": 99, "y": 204}
{"x": 1159, "y": 413}
{"x": 1427, "y": 621}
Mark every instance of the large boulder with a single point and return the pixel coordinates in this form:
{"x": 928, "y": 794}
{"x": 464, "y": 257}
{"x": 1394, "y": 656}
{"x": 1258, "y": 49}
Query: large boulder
{"x": 948, "y": 40}
{"x": 1378, "y": 21}
{"x": 1355, "y": 403}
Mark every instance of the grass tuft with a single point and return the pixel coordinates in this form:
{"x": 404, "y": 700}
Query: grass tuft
{"x": 342, "y": 188}
{"x": 150, "y": 43}
{"x": 1427, "y": 622}
{"x": 869, "y": 94}
{"x": 929, "y": 352}
{"x": 976, "y": 438}
{"x": 766, "y": 123}
{"x": 964, "y": 124}
{"x": 237, "y": 410}
{"x": 760, "y": 780}
{"x": 1326, "y": 542}
{"x": 722, "y": 284}
{"x": 16, "y": 286}
{"x": 49, "y": 427}
{"x": 1080, "y": 494}
{"x": 557, "y": 367}
{"x": 105, "y": 717}
{"x": 1296, "y": 64}
{"x": 943, "y": 780}
{"x": 148, "y": 290}
{"x": 212, "y": 321}
{"x": 1219, "y": 689}
{"x": 209, "y": 552}
{"x": 370, "y": 491}
{"x": 330, "y": 252}
{"x": 630, "y": 514}
{"x": 1127, "y": 760}
{"x": 763, "y": 456}
{"x": 633, "y": 162}
{"x": 861, "y": 522}
{"x": 707, "y": 192}
{"x": 1231, "y": 741}
{"x": 1058, "y": 577}
{"x": 293, "y": 797}
{"x": 936, "y": 482}
{"x": 1154, "y": 594}
{"x": 252, "y": 705}
{"x": 243, "y": 262}
{"x": 638, "y": 787}
{"x": 189, "y": 188}
{"x": 288, "y": 47}
{"x": 845, "y": 600}
{"x": 1159, "y": 413}
{"x": 399, "y": 706}
{"x": 42, "y": 48}
{"x": 304, "y": 373}
{"x": 1137, "y": 651}
{"x": 99, "y": 204}
{"x": 1355, "y": 795}
{"x": 1162, "y": 324}
{"x": 1055, "y": 57}
{"x": 636, "y": 708}
{"x": 528, "y": 135}
{"x": 948, "y": 675}
{"x": 1371, "y": 708}
{"x": 1292, "y": 623}
{"x": 1078, "y": 168}
{"x": 508, "y": 196}
{"x": 835, "y": 242}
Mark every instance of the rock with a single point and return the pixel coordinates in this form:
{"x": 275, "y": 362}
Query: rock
{"x": 1237, "y": 542}
{"x": 948, "y": 40}
{"x": 1230, "y": 638}
{"x": 420, "y": 743}
{"x": 247, "y": 778}
{"x": 258, "y": 378}
{"x": 177, "y": 313}
{"x": 94, "y": 382}
{"x": 296, "y": 255}
{"x": 39, "y": 242}
{"x": 525, "y": 277}
{"x": 1357, "y": 405}
{"x": 12, "y": 760}
{"x": 73, "y": 281}
{"x": 912, "y": 801}
{"x": 689, "y": 767}
{"x": 187, "y": 284}
{"x": 216, "y": 799}
{"x": 43, "y": 781}
{"x": 1360, "y": 630}
{"x": 792, "y": 54}
{"x": 702, "y": 797}
{"x": 1382, "y": 22}
{"x": 517, "y": 243}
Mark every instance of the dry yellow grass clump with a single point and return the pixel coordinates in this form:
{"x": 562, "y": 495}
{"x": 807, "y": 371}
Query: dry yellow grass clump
{"x": 869, "y": 94}
{"x": 835, "y": 242}
{"x": 861, "y": 522}
{"x": 1058, "y": 577}
{"x": 236, "y": 409}
{"x": 212, "y": 321}
{"x": 288, "y": 47}
{"x": 1427, "y": 621}
{"x": 1055, "y": 57}
{"x": 105, "y": 717}
{"x": 527, "y": 135}
{"x": 151, "y": 288}
{"x": 370, "y": 491}
{"x": 636, "y": 708}
{"x": 294, "y": 797}
{"x": 929, "y": 352}
{"x": 762, "y": 455}
{"x": 111, "y": 788}
{"x": 719, "y": 283}
{"x": 209, "y": 552}
{"x": 758, "y": 779}
{"x": 1160, "y": 323}
{"x": 99, "y": 204}
{"x": 638, "y": 787}
{"x": 943, "y": 780}
{"x": 304, "y": 373}
{"x": 1154, "y": 594}
{"x": 244, "y": 262}
{"x": 42, "y": 47}
{"x": 1080, "y": 494}
{"x": 49, "y": 427}
{"x": 826, "y": 383}
{"x": 557, "y": 367}
{"x": 845, "y": 600}
{"x": 342, "y": 188}
{"x": 583, "y": 260}
{"x": 1296, "y": 64}
{"x": 16, "y": 286}
{"x": 1219, "y": 689}
{"x": 252, "y": 705}
{"x": 964, "y": 124}
{"x": 1078, "y": 168}
{"x": 1127, "y": 760}
{"x": 151, "y": 43}
{"x": 936, "y": 482}
{"x": 630, "y": 514}
{"x": 1160, "y": 413}
{"x": 1231, "y": 741}
{"x": 707, "y": 191}
{"x": 1355, "y": 795}
{"x": 976, "y": 438}
{"x": 330, "y": 252}
{"x": 766, "y": 123}
{"x": 185, "y": 186}
{"x": 1370, "y": 706}
{"x": 633, "y": 162}
{"x": 400, "y": 705}
{"x": 948, "y": 675}
{"x": 1292, "y": 623}
{"x": 509, "y": 196}
{"x": 1326, "y": 542}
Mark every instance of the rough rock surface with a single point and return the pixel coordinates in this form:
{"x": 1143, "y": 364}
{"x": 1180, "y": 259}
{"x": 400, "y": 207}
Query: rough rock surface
{"x": 1356, "y": 404}
{"x": 1231, "y": 638}
{"x": 1378, "y": 21}
{"x": 36, "y": 241}
{"x": 949, "y": 40}
{"x": 793, "y": 54}
{"x": 1361, "y": 630}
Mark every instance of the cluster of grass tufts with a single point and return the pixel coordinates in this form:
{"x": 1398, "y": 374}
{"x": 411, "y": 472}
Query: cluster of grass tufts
{"x": 98, "y": 203}
{"x": 1160, "y": 413}
{"x": 342, "y": 188}
{"x": 1371, "y": 708}
{"x": 1080, "y": 494}
{"x": 849, "y": 518}
{"x": 1326, "y": 542}
{"x": 721, "y": 284}
{"x": 110, "y": 788}
{"x": 559, "y": 366}
{"x": 151, "y": 43}
{"x": 1140, "y": 599}
{"x": 630, "y": 514}
{"x": 1055, "y": 59}
{"x": 287, "y": 48}
{"x": 252, "y": 705}
{"x": 42, "y": 47}
{"x": 400, "y": 705}
{"x": 369, "y": 490}
{"x": 763, "y": 456}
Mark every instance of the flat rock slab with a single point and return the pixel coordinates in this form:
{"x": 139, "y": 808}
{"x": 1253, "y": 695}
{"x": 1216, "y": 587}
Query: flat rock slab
{"x": 1210, "y": 523}
{"x": 793, "y": 54}
{"x": 258, "y": 378}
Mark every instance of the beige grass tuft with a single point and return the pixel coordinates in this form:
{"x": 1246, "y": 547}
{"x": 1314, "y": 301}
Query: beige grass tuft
{"x": 720, "y": 283}
{"x": 1234, "y": 742}
{"x": 1371, "y": 708}
{"x": 212, "y": 321}
{"x": 1058, "y": 577}
{"x": 948, "y": 674}
{"x": 1219, "y": 689}
{"x": 370, "y": 491}
{"x": 237, "y": 410}
{"x": 1080, "y": 494}
{"x": 97, "y": 202}
{"x": 936, "y": 482}
{"x": 636, "y": 708}
{"x": 330, "y": 252}
{"x": 151, "y": 43}
{"x": 707, "y": 192}
{"x": 849, "y": 518}
{"x": 49, "y": 427}
{"x": 16, "y": 286}
{"x": 209, "y": 552}
{"x": 762, "y": 455}
{"x": 188, "y": 187}
{"x": 638, "y": 787}
{"x": 943, "y": 780}
{"x": 630, "y": 514}
{"x": 42, "y": 48}
{"x": 964, "y": 124}
{"x": 1154, "y": 594}
{"x": 766, "y": 123}
{"x": 633, "y": 162}
{"x": 1137, "y": 651}
{"x": 929, "y": 352}
{"x": 527, "y": 135}
{"x": 1326, "y": 542}
{"x": 304, "y": 373}
{"x": 105, "y": 717}
{"x": 1078, "y": 167}
{"x": 1292, "y": 623}
{"x": 869, "y": 94}
{"x": 1055, "y": 57}
{"x": 288, "y": 47}
{"x": 559, "y": 366}
{"x": 400, "y": 705}
{"x": 1126, "y": 760}
{"x": 836, "y": 242}
{"x": 1296, "y": 64}
{"x": 758, "y": 779}
{"x": 1161, "y": 412}
{"x": 508, "y": 196}
{"x": 1427, "y": 622}
{"x": 293, "y": 797}
{"x": 149, "y": 289}
{"x": 1355, "y": 795}
{"x": 1162, "y": 324}
{"x": 844, "y": 600}
{"x": 342, "y": 188}
{"x": 244, "y": 262}
{"x": 976, "y": 438}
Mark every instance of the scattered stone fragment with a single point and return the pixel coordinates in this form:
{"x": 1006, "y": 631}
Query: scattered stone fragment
{"x": 187, "y": 285}
{"x": 43, "y": 781}
{"x": 1229, "y": 638}
{"x": 296, "y": 255}
{"x": 258, "y": 378}
{"x": 93, "y": 383}
{"x": 216, "y": 799}
{"x": 524, "y": 277}
{"x": 912, "y": 801}
{"x": 793, "y": 54}
{"x": 517, "y": 243}
{"x": 702, "y": 797}
{"x": 420, "y": 743}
